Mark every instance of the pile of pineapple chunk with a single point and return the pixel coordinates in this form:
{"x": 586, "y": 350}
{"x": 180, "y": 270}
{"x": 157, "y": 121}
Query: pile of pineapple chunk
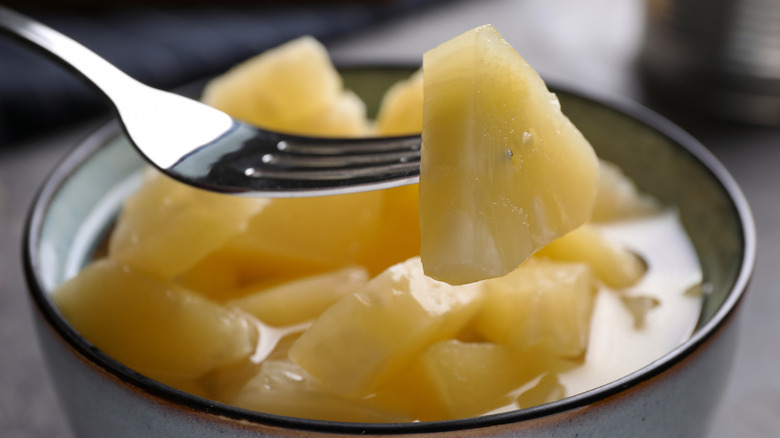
{"x": 321, "y": 307}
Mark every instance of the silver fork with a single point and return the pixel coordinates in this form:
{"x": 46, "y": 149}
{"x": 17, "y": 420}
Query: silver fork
{"x": 206, "y": 148}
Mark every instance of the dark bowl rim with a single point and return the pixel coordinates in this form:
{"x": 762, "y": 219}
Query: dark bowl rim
{"x": 85, "y": 149}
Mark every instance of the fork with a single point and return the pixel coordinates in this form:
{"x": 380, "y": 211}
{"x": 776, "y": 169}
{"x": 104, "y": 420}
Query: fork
{"x": 206, "y": 148}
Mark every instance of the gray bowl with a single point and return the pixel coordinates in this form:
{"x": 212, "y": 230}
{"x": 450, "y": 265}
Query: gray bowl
{"x": 673, "y": 396}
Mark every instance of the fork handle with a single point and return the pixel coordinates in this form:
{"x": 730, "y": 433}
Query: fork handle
{"x": 101, "y": 74}
{"x": 163, "y": 126}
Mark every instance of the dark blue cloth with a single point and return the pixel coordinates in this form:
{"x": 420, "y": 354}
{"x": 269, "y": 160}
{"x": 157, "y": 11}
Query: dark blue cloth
{"x": 160, "y": 47}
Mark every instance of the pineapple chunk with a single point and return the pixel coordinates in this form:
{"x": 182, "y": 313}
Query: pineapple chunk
{"x": 617, "y": 197}
{"x": 212, "y": 277}
{"x": 225, "y": 383}
{"x": 612, "y": 263}
{"x": 453, "y": 379}
{"x": 304, "y": 299}
{"x": 307, "y": 234}
{"x": 155, "y": 231}
{"x": 400, "y": 112}
{"x": 278, "y": 88}
{"x": 504, "y": 172}
{"x": 367, "y": 337}
{"x": 284, "y": 388}
{"x": 547, "y": 389}
{"x": 542, "y": 304}
{"x": 344, "y": 117}
{"x": 292, "y": 88}
{"x": 398, "y": 237}
{"x": 154, "y": 327}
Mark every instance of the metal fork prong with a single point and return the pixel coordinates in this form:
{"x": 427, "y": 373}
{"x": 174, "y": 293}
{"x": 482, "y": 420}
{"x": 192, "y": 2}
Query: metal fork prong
{"x": 403, "y": 169}
{"x": 304, "y": 148}
{"x": 302, "y": 161}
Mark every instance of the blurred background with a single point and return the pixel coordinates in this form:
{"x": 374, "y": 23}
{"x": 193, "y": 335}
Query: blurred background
{"x": 711, "y": 67}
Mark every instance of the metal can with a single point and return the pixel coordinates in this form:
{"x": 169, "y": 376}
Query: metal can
{"x": 721, "y": 57}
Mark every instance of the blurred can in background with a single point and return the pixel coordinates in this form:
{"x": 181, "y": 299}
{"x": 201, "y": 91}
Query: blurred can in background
{"x": 720, "y": 57}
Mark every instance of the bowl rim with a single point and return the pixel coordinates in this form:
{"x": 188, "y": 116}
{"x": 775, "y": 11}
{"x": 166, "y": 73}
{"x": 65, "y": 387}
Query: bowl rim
{"x": 85, "y": 149}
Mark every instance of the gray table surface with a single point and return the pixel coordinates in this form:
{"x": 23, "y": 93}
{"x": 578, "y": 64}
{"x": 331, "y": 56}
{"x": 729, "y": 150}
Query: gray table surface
{"x": 591, "y": 44}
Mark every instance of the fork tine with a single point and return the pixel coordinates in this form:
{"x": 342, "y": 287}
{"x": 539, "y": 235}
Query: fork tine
{"x": 269, "y": 164}
{"x": 339, "y": 160}
{"x": 386, "y": 172}
{"x": 304, "y": 161}
{"x": 340, "y": 148}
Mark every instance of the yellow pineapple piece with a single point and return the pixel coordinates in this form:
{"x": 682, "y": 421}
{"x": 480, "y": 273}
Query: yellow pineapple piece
{"x": 453, "y": 379}
{"x": 304, "y": 299}
{"x": 617, "y": 197}
{"x": 214, "y": 277}
{"x": 308, "y": 234}
{"x": 153, "y": 326}
{"x": 547, "y": 389}
{"x": 292, "y": 81}
{"x": 225, "y": 383}
{"x": 542, "y": 304}
{"x": 398, "y": 236}
{"x": 400, "y": 112}
{"x": 614, "y": 264}
{"x": 223, "y": 276}
{"x": 262, "y": 268}
{"x": 344, "y": 117}
{"x": 504, "y": 172}
{"x": 166, "y": 227}
{"x": 284, "y": 388}
{"x": 367, "y": 337}
{"x": 291, "y": 88}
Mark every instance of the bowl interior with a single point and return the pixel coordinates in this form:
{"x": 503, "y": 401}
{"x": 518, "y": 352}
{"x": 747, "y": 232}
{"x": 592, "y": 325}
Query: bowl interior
{"x": 81, "y": 200}
{"x": 675, "y": 168}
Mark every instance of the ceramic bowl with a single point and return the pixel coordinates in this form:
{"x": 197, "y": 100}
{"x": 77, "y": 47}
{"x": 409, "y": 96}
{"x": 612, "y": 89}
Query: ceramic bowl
{"x": 673, "y": 396}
